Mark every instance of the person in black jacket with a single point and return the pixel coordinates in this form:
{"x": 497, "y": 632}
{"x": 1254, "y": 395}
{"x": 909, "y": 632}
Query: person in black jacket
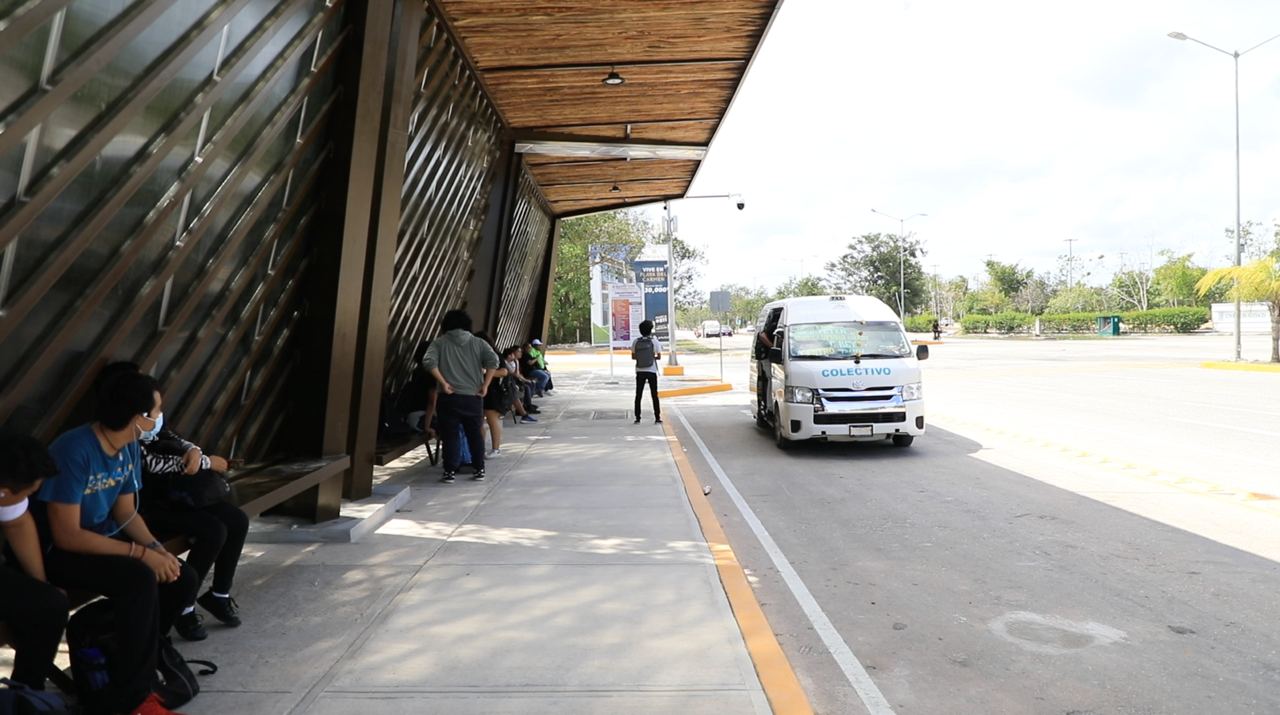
{"x": 34, "y": 610}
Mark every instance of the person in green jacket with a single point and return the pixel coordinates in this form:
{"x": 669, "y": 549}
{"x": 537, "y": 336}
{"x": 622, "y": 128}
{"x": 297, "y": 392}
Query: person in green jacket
{"x": 463, "y": 366}
{"x": 540, "y": 374}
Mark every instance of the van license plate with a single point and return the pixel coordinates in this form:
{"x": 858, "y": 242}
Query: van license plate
{"x": 859, "y": 430}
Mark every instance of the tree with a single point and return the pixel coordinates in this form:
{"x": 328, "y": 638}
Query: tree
{"x": 802, "y": 286}
{"x": 1175, "y": 279}
{"x": 951, "y": 296}
{"x": 1256, "y": 281}
{"x": 689, "y": 261}
{"x": 870, "y": 266}
{"x": 1132, "y": 288}
{"x": 745, "y": 303}
{"x": 619, "y": 233}
{"x": 1078, "y": 299}
{"x": 1008, "y": 278}
{"x": 1034, "y": 295}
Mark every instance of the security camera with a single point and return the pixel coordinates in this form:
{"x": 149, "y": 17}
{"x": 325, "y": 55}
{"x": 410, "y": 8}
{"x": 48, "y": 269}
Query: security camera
{"x": 742, "y": 205}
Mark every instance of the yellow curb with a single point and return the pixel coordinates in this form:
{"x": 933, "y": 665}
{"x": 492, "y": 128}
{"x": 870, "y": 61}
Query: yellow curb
{"x": 560, "y": 352}
{"x": 927, "y": 342}
{"x": 781, "y": 686}
{"x": 695, "y": 390}
{"x": 1242, "y": 366}
{"x": 673, "y": 370}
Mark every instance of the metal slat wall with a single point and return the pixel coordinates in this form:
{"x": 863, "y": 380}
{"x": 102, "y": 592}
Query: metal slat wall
{"x": 454, "y": 142}
{"x": 530, "y": 231}
{"x": 158, "y": 179}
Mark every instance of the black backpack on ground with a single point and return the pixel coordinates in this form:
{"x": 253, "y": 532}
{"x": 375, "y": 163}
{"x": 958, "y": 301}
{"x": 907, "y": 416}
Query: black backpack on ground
{"x": 645, "y": 352}
{"x": 92, "y": 642}
{"x": 19, "y": 699}
{"x": 177, "y": 685}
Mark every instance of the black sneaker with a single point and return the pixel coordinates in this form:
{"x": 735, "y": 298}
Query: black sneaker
{"x": 657, "y": 420}
{"x": 478, "y": 476}
{"x": 191, "y": 627}
{"x": 223, "y": 608}
{"x": 448, "y": 478}
{"x": 637, "y": 420}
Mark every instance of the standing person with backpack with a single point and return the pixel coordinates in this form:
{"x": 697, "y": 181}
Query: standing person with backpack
{"x": 463, "y": 365}
{"x": 647, "y": 351}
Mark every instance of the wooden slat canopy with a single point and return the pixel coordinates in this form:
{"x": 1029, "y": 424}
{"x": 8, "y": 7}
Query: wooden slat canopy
{"x": 543, "y": 61}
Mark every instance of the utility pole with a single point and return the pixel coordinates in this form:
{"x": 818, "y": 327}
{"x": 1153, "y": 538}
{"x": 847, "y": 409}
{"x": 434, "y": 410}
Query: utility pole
{"x": 1070, "y": 258}
{"x": 937, "y": 298}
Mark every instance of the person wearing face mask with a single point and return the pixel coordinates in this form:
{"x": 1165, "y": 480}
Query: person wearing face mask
{"x": 34, "y": 610}
{"x": 216, "y": 529}
{"x": 95, "y": 539}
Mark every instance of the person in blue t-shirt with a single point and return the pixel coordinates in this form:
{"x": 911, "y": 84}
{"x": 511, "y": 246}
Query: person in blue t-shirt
{"x": 99, "y": 543}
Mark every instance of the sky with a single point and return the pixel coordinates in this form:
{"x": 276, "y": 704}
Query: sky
{"x": 1014, "y": 125}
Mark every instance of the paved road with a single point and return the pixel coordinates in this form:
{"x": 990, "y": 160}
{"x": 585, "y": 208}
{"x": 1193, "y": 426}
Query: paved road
{"x": 985, "y": 570}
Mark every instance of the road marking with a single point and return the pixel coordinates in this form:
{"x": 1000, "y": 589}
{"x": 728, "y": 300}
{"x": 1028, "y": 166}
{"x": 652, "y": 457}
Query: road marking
{"x": 777, "y": 677}
{"x": 857, "y": 676}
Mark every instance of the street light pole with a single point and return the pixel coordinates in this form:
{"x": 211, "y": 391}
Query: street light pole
{"x": 1235, "y": 58}
{"x": 671, "y": 267}
{"x": 902, "y": 283}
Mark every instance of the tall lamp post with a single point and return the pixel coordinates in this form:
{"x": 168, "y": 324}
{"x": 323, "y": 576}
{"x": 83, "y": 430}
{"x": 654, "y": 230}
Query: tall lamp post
{"x": 669, "y": 228}
{"x": 902, "y": 271}
{"x": 1235, "y": 57}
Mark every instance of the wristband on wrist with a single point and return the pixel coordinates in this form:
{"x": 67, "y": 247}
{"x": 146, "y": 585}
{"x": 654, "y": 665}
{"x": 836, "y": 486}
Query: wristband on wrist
{"x": 131, "y": 545}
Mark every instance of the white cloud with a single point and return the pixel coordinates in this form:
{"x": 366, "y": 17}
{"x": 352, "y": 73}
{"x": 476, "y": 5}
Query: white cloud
{"x": 1012, "y": 124}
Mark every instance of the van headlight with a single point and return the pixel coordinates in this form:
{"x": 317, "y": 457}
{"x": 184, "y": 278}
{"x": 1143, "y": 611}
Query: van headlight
{"x": 800, "y": 395}
{"x": 913, "y": 391}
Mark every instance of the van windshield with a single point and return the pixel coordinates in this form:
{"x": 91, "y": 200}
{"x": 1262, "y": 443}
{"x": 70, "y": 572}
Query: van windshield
{"x": 845, "y": 341}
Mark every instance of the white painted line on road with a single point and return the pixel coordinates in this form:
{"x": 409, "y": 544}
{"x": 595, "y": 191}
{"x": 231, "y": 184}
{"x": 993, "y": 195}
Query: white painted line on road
{"x": 831, "y": 638}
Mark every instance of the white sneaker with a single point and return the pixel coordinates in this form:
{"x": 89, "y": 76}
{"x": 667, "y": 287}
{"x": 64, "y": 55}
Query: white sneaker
{"x": 494, "y": 454}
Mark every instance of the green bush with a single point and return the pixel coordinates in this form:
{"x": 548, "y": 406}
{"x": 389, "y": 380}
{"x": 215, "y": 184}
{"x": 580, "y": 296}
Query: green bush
{"x": 919, "y": 324}
{"x": 1165, "y": 320}
{"x": 975, "y": 323}
{"x": 1069, "y": 323}
{"x": 1010, "y": 322}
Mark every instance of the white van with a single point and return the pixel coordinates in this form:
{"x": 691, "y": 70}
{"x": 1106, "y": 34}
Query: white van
{"x": 709, "y": 329}
{"x": 840, "y": 368}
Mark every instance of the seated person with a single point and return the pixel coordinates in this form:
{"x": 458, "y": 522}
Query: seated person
{"x": 523, "y": 406}
{"x": 532, "y": 367}
{"x": 539, "y": 353}
{"x": 417, "y": 400}
{"x": 35, "y": 611}
{"x": 95, "y": 539}
{"x": 216, "y": 531}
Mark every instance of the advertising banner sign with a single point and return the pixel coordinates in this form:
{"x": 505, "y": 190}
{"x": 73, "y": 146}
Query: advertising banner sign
{"x": 652, "y": 276}
{"x": 626, "y": 310}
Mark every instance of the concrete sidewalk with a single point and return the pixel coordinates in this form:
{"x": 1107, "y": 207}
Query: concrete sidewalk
{"x": 575, "y": 580}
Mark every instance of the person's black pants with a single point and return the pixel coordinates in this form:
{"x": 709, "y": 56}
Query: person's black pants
{"x": 216, "y": 532}
{"x": 466, "y": 411}
{"x": 144, "y": 610}
{"x": 762, "y": 390}
{"x": 36, "y": 613}
{"x": 650, "y": 378}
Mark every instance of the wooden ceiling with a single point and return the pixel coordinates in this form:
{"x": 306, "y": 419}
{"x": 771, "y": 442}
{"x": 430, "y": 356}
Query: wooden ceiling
{"x": 542, "y": 62}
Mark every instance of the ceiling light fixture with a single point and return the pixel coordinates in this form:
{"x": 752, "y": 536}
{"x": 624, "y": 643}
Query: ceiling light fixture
{"x": 613, "y": 79}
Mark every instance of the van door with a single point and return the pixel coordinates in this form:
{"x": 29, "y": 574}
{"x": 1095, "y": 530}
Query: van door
{"x": 769, "y": 323}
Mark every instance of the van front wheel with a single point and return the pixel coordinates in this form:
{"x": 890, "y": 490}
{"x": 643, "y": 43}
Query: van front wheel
{"x": 903, "y": 440}
{"x": 778, "y": 438}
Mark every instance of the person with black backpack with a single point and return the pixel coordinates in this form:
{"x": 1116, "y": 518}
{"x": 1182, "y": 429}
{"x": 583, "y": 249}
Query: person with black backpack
{"x": 647, "y": 351}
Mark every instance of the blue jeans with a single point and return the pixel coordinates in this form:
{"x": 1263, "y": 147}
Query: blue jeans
{"x": 540, "y": 380}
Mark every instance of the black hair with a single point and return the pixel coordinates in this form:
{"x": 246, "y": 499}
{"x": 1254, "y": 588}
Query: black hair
{"x": 456, "y": 319}
{"x": 123, "y": 395}
{"x": 646, "y": 328}
{"x": 511, "y": 350}
{"x": 23, "y": 460}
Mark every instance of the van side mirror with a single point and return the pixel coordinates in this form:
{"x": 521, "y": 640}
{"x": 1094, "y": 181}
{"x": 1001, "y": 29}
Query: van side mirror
{"x": 922, "y": 352}
{"x": 775, "y": 355}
